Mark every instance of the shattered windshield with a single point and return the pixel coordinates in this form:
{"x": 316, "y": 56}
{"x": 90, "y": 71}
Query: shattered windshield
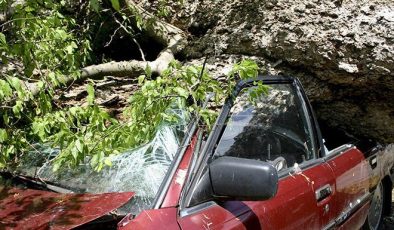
{"x": 140, "y": 170}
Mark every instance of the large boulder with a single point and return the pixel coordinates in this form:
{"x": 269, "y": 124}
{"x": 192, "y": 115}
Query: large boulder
{"x": 342, "y": 51}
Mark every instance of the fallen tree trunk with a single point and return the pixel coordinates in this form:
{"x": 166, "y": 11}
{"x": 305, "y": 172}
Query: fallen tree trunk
{"x": 172, "y": 38}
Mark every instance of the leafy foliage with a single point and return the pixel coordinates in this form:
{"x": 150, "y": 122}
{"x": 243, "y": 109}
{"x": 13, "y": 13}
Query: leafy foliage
{"x": 46, "y": 40}
{"x": 41, "y": 37}
{"x": 41, "y": 42}
{"x": 79, "y": 132}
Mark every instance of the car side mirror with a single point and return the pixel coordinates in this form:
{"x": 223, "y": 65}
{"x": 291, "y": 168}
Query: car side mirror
{"x": 242, "y": 179}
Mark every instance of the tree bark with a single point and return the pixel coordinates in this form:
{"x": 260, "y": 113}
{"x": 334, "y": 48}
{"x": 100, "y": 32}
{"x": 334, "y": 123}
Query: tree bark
{"x": 173, "y": 38}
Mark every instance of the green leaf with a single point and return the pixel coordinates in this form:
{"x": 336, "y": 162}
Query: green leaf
{"x": 3, "y": 135}
{"x": 70, "y": 49}
{"x": 56, "y": 166}
{"x": 90, "y": 90}
{"x": 75, "y": 153}
{"x": 17, "y": 108}
{"x": 40, "y": 85}
{"x": 3, "y": 40}
{"x": 141, "y": 79}
{"x": 39, "y": 129}
{"x": 148, "y": 71}
{"x": 6, "y": 118}
{"x": 245, "y": 69}
{"x": 15, "y": 83}
{"x": 181, "y": 92}
{"x": 94, "y": 160}
{"x": 53, "y": 78}
{"x": 108, "y": 162}
{"x": 99, "y": 167}
{"x": 139, "y": 23}
{"x": 5, "y": 89}
{"x": 115, "y": 4}
{"x": 79, "y": 145}
{"x": 29, "y": 9}
{"x": 95, "y": 5}
{"x": 73, "y": 111}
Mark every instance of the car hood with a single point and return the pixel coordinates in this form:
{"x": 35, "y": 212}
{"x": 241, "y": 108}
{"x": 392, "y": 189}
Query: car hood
{"x": 37, "y": 209}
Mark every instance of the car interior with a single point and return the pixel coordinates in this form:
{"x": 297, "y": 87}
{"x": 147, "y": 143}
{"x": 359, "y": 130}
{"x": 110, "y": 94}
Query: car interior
{"x": 272, "y": 128}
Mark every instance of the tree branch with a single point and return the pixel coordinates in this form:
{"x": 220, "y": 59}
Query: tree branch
{"x": 173, "y": 38}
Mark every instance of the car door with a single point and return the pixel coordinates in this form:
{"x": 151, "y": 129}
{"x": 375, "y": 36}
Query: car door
{"x": 278, "y": 128}
{"x": 352, "y": 173}
{"x": 294, "y": 207}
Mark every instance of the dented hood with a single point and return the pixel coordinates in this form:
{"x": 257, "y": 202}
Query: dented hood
{"x": 37, "y": 209}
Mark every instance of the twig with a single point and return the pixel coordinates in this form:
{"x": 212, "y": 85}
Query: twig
{"x": 165, "y": 97}
{"x": 139, "y": 48}
{"x": 17, "y": 19}
{"x": 112, "y": 36}
{"x": 132, "y": 37}
{"x": 72, "y": 83}
{"x": 123, "y": 27}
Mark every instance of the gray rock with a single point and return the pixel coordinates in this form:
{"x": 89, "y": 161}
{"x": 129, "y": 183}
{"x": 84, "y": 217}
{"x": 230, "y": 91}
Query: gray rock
{"x": 343, "y": 51}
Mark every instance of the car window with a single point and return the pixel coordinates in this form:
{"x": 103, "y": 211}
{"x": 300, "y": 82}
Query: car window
{"x": 273, "y": 127}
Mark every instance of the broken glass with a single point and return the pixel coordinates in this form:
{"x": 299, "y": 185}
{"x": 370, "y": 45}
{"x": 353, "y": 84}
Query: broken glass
{"x": 140, "y": 170}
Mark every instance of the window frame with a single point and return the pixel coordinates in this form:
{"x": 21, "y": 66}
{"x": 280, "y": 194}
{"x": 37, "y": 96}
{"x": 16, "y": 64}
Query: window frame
{"x": 218, "y": 129}
{"x": 301, "y": 110}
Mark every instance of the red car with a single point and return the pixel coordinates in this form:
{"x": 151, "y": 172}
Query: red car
{"x": 265, "y": 165}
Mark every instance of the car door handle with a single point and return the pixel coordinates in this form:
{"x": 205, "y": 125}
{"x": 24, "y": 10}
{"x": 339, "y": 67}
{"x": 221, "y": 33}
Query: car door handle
{"x": 323, "y": 192}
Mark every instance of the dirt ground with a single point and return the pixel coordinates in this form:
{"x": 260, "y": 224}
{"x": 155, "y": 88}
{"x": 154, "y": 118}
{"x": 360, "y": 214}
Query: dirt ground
{"x": 388, "y": 223}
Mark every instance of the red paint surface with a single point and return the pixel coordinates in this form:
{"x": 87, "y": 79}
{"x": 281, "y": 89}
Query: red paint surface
{"x": 352, "y": 173}
{"x": 156, "y": 219}
{"x": 217, "y": 217}
{"x": 293, "y": 207}
{"x": 36, "y": 209}
{"x": 177, "y": 182}
{"x": 357, "y": 220}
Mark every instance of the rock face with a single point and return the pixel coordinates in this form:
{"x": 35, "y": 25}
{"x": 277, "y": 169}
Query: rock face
{"x": 343, "y": 51}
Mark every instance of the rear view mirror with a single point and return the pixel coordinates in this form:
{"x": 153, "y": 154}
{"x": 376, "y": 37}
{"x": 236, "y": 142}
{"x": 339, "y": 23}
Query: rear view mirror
{"x": 243, "y": 179}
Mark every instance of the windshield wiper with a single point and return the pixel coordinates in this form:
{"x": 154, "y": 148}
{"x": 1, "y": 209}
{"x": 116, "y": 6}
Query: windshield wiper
{"x": 34, "y": 183}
